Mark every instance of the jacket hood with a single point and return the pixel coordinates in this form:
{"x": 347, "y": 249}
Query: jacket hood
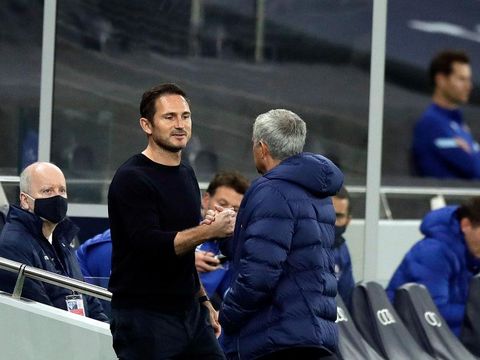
{"x": 315, "y": 173}
{"x": 441, "y": 223}
{"x": 65, "y": 230}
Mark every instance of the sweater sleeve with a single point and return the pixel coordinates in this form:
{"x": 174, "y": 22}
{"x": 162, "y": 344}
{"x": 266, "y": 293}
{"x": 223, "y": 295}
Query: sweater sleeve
{"x": 133, "y": 210}
{"x": 268, "y": 237}
{"x": 444, "y": 143}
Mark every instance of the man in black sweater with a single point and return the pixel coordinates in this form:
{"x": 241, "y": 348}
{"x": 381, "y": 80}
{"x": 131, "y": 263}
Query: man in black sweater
{"x": 154, "y": 211}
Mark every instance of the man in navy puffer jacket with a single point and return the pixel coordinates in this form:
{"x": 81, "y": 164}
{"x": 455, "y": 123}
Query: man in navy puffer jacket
{"x": 39, "y": 234}
{"x": 281, "y": 302}
{"x": 445, "y": 260}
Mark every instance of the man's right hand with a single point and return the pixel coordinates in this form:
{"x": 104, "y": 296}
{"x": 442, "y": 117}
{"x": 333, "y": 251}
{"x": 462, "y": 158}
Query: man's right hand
{"x": 224, "y": 222}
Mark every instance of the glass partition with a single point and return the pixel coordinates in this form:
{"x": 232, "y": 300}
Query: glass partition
{"x": 20, "y": 63}
{"x": 235, "y": 59}
{"x": 416, "y": 32}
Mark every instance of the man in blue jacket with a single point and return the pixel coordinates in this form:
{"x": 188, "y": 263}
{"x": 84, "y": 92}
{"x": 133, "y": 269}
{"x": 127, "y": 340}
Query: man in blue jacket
{"x": 281, "y": 302}
{"x": 226, "y": 190}
{"x": 38, "y": 234}
{"x": 443, "y": 146}
{"x": 445, "y": 259}
{"x": 343, "y": 261}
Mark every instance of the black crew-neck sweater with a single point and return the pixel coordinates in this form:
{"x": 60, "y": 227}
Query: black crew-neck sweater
{"x": 148, "y": 203}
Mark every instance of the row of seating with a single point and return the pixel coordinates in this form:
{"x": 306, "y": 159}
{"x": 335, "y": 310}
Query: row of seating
{"x": 411, "y": 328}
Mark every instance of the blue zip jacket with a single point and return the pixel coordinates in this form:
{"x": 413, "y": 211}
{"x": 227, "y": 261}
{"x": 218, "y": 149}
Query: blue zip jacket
{"x": 95, "y": 256}
{"x": 435, "y": 149}
{"x": 284, "y": 286}
{"x": 216, "y": 281}
{"x": 441, "y": 262}
{"x": 22, "y": 240}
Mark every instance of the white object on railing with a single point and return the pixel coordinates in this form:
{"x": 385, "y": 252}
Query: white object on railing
{"x": 437, "y": 202}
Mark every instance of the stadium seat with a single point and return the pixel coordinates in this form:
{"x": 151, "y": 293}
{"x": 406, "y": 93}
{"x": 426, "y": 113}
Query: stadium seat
{"x": 381, "y": 327}
{"x": 351, "y": 344}
{"x": 470, "y": 336}
{"x": 422, "y": 318}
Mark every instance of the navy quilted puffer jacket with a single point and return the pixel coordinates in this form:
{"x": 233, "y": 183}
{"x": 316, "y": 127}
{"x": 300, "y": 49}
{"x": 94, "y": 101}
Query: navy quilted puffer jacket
{"x": 283, "y": 289}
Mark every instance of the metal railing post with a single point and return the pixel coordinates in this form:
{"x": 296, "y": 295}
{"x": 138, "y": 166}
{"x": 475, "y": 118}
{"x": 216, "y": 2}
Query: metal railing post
{"x": 17, "y": 291}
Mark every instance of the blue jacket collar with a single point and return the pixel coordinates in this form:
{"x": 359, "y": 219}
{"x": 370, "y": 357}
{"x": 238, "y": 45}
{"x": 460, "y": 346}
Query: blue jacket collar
{"x": 442, "y": 224}
{"x": 315, "y": 173}
{"x": 455, "y": 114}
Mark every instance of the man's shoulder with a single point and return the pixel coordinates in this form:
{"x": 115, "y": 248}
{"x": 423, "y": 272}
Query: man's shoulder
{"x": 132, "y": 165}
{"x": 16, "y": 232}
{"x": 434, "y": 114}
{"x": 431, "y": 249}
{"x": 15, "y": 239}
{"x": 130, "y": 173}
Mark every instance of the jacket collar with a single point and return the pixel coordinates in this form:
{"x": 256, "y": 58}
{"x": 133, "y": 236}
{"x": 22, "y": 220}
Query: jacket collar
{"x": 65, "y": 231}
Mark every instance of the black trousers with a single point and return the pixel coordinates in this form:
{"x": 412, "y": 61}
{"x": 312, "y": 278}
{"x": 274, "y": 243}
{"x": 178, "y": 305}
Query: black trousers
{"x": 304, "y": 353}
{"x": 150, "y": 335}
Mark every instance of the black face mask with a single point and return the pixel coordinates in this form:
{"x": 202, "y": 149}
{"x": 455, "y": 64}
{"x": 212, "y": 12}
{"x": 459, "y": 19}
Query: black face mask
{"x": 339, "y": 230}
{"x": 53, "y": 209}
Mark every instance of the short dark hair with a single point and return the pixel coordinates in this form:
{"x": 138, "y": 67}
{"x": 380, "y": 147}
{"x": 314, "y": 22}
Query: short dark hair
{"x": 343, "y": 194}
{"x": 442, "y": 63}
{"x": 230, "y": 179}
{"x": 470, "y": 209}
{"x": 147, "y": 105}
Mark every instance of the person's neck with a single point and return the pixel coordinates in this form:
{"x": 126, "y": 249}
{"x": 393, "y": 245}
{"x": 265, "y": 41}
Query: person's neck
{"x": 270, "y": 163}
{"x": 48, "y": 228}
{"x": 443, "y": 102}
{"x": 162, "y": 156}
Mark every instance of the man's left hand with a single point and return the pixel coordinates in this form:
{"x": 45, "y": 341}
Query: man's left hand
{"x": 213, "y": 318}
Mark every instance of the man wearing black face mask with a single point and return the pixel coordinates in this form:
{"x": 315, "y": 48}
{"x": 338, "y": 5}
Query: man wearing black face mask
{"x": 38, "y": 234}
{"x": 343, "y": 263}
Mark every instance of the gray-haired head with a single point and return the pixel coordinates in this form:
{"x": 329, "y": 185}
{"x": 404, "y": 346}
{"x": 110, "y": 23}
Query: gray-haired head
{"x": 282, "y": 130}
{"x": 26, "y": 175}
{"x": 25, "y": 181}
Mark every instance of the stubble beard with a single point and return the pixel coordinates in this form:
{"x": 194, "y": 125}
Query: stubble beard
{"x": 167, "y": 146}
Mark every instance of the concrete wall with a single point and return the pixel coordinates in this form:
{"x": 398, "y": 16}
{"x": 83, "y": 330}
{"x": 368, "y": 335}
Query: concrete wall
{"x": 32, "y": 331}
{"x": 395, "y": 237}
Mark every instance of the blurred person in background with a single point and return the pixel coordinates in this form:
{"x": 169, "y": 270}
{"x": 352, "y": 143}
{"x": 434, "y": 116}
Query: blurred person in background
{"x": 445, "y": 259}
{"x": 95, "y": 259}
{"x": 226, "y": 190}
{"x": 343, "y": 261}
{"x": 443, "y": 146}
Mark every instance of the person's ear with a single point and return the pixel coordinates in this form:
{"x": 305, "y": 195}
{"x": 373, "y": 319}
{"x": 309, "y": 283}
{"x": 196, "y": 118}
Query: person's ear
{"x": 265, "y": 151}
{"x": 24, "y": 201}
{"x": 465, "y": 225}
{"x": 440, "y": 79}
{"x": 205, "y": 201}
{"x": 146, "y": 125}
